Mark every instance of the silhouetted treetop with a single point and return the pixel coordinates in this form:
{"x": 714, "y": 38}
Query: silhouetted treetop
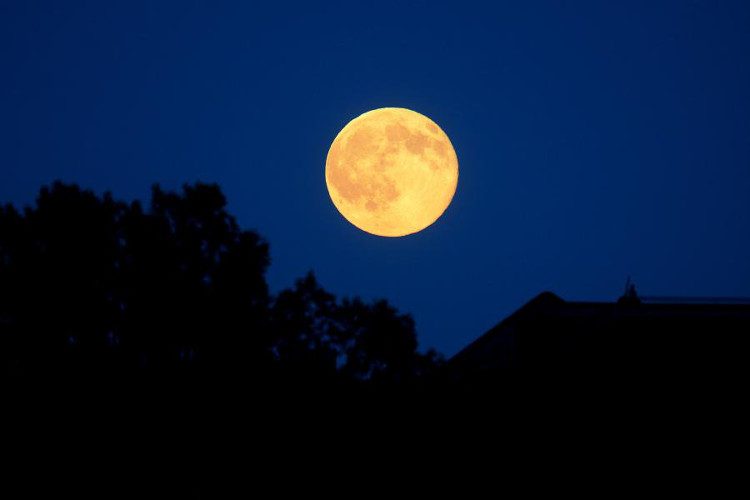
{"x": 358, "y": 340}
{"x": 92, "y": 285}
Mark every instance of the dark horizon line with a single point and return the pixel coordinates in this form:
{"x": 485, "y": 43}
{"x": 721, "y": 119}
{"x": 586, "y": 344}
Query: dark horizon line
{"x": 695, "y": 299}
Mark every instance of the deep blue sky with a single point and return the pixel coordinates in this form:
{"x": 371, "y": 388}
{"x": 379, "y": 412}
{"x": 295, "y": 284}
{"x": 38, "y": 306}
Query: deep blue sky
{"x": 595, "y": 139}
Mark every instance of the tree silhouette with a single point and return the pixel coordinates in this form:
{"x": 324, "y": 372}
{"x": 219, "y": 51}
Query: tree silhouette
{"x": 192, "y": 282}
{"x": 306, "y": 337}
{"x": 58, "y": 276}
{"x": 94, "y": 286}
{"x": 356, "y": 340}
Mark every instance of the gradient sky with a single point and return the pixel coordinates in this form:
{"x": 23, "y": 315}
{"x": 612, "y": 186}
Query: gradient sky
{"x": 595, "y": 139}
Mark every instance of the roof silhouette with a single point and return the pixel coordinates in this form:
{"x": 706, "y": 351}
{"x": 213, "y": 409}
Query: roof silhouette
{"x": 549, "y": 334}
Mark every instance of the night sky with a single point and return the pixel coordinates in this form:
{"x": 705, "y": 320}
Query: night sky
{"x": 596, "y": 140}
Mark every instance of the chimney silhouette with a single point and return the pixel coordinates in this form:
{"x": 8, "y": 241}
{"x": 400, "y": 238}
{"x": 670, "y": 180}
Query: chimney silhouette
{"x": 630, "y": 297}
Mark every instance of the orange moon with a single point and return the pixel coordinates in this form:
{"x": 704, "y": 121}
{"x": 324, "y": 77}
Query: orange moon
{"x": 391, "y": 172}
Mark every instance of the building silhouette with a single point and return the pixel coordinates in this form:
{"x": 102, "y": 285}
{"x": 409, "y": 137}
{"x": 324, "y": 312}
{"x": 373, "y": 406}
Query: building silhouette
{"x": 633, "y": 338}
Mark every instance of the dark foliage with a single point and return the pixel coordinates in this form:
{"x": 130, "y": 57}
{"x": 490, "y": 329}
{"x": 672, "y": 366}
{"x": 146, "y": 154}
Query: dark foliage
{"x": 99, "y": 289}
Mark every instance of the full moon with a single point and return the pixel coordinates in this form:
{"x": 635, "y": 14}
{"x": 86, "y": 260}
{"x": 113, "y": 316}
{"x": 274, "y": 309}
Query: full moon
{"x": 391, "y": 172}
